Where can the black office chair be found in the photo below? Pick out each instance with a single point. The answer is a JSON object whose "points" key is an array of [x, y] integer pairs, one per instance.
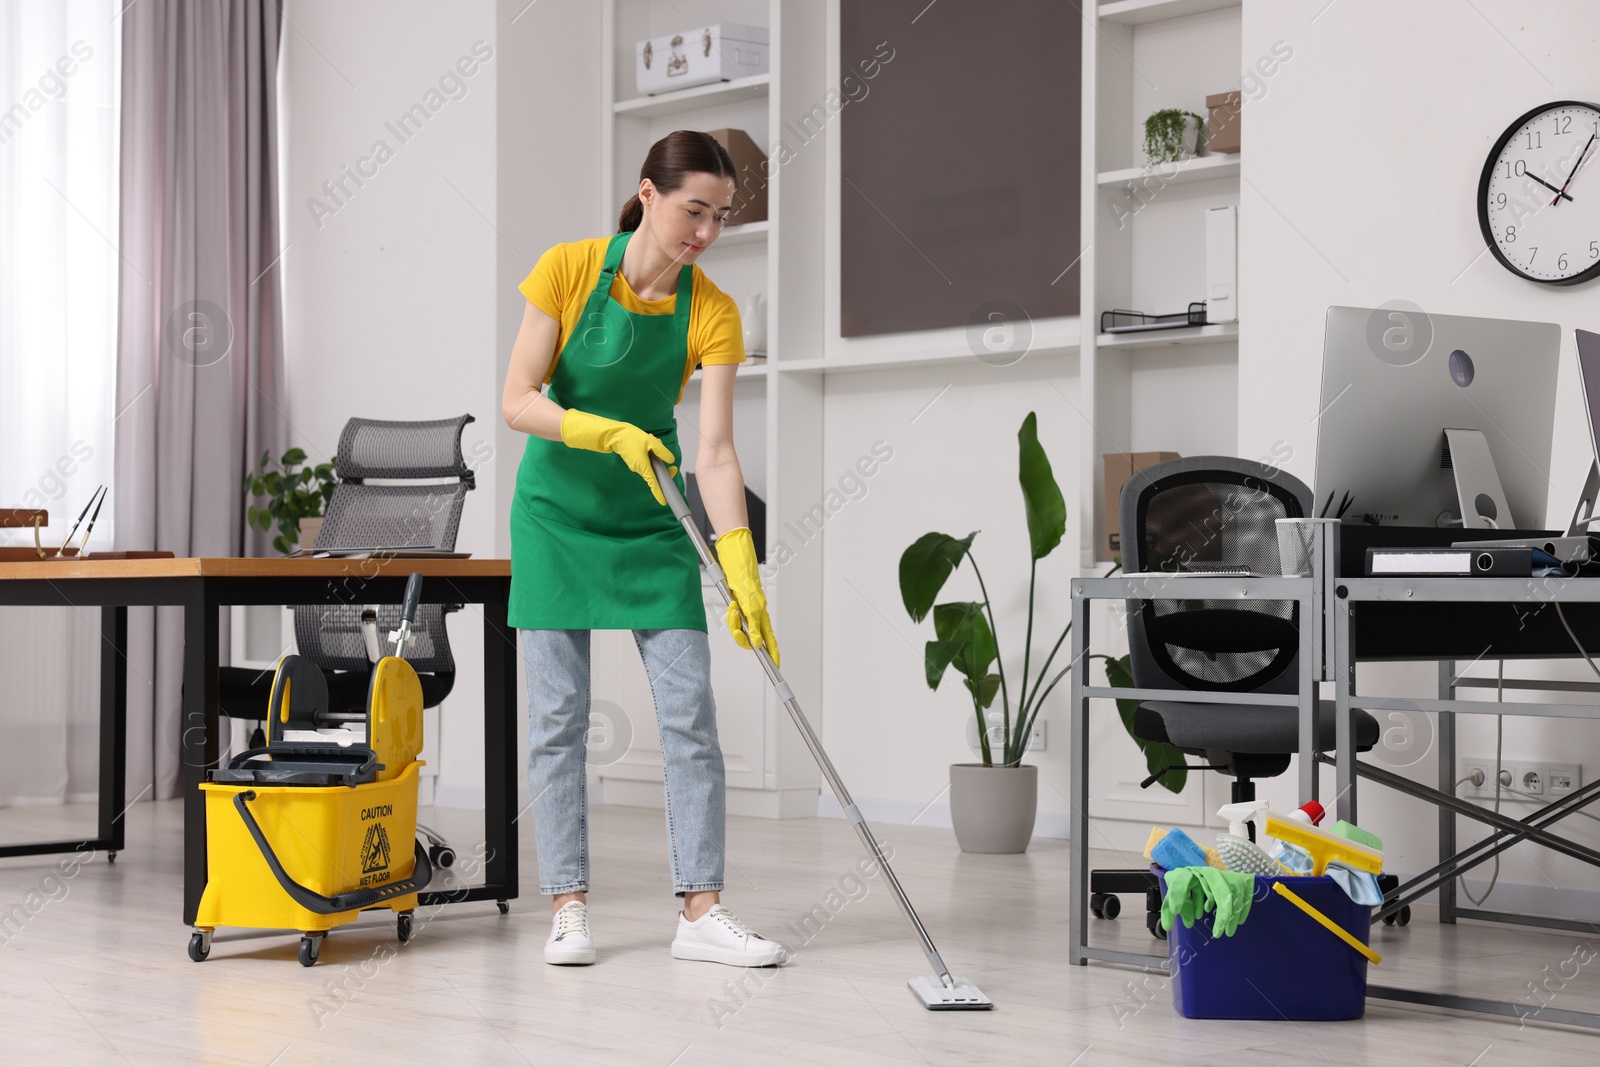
{"points": [[1200, 514], [425, 480]]}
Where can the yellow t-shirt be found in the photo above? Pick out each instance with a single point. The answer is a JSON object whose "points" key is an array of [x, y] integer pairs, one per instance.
{"points": [[560, 283]]}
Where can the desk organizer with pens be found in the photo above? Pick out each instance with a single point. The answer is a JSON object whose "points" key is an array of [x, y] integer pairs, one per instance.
{"points": [[310, 830], [1280, 963]]}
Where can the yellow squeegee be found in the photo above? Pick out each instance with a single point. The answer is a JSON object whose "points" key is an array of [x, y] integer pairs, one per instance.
{"points": [[1324, 847]]}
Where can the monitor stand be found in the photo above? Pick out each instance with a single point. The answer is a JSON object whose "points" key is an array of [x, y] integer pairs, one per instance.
{"points": [[1583, 514], [1579, 545], [1478, 488]]}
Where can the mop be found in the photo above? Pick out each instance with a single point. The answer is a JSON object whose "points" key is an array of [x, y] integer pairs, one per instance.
{"points": [[940, 991]]}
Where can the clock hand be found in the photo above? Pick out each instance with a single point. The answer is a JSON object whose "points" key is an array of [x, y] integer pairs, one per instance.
{"points": [[1581, 157], [1547, 185]]}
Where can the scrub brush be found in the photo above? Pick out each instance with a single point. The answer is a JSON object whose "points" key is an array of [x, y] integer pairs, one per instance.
{"points": [[1244, 855]]}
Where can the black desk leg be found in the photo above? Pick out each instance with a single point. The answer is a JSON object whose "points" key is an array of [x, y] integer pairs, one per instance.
{"points": [[500, 750], [113, 727], [198, 744]]}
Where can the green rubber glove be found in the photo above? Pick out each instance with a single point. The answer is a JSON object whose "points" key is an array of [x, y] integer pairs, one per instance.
{"points": [[579, 429], [1231, 893], [1184, 899], [736, 552]]}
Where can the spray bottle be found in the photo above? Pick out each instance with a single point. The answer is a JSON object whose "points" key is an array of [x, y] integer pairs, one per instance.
{"points": [[1235, 846]]}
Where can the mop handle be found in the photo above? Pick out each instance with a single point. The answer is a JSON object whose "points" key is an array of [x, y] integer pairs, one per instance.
{"points": [[408, 614], [680, 511]]}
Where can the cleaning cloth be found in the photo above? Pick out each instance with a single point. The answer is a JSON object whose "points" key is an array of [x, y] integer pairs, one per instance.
{"points": [[1296, 859], [1193, 892], [1361, 886]]}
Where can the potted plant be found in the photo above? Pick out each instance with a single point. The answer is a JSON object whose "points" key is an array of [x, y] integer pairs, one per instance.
{"points": [[1172, 135], [297, 498], [993, 803]]}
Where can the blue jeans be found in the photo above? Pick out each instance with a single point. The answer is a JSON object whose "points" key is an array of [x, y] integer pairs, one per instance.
{"points": [[678, 663]]}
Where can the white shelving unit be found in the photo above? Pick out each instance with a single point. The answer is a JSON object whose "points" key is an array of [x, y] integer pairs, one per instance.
{"points": [[1198, 169], [1142, 12], [1219, 333], [1166, 390], [1145, 233], [697, 99], [770, 772]]}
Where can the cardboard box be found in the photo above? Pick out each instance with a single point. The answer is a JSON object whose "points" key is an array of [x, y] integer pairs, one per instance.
{"points": [[1222, 127], [750, 166], [1119, 467]]}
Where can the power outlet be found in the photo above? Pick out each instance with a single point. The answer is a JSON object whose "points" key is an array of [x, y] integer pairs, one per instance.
{"points": [[1528, 780], [1486, 766], [1562, 778], [1464, 771], [1036, 742]]}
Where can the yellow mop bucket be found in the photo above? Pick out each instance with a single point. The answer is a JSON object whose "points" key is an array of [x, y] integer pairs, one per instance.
{"points": [[310, 830]]}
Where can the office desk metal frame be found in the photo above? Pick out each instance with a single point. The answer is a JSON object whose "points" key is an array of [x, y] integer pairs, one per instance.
{"points": [[202, 587], [1539, 593], [1308, 592]]}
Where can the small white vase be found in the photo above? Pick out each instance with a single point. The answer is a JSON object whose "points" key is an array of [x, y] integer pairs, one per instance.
{"points": [[309, 529], [753, 317]]}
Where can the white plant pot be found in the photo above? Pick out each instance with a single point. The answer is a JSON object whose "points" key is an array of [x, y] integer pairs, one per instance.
{"points": [[309, 528], [993, 808]]}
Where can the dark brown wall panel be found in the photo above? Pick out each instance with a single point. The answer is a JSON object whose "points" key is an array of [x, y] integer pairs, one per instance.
{"points": [[960, 165]]}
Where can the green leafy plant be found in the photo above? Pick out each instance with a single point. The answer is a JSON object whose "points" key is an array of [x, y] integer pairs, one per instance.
{"points": [[1164, 132], [965, 632], [293, 492]]}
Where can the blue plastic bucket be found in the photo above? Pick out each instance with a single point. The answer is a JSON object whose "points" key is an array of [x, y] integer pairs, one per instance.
{"points": [[1279, 964]]}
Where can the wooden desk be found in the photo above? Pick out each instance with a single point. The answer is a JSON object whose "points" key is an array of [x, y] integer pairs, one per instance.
{"points": [[202, 587]]}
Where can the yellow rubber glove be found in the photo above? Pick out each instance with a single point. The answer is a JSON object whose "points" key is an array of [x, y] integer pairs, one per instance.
{"points": [[736, 552], [579, 429]]}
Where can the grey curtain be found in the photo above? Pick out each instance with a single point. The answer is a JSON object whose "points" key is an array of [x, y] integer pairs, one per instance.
{"points": [[199, 361]]}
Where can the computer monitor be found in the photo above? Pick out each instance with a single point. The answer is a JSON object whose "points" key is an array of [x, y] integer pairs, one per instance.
{"points": [[1394, 381], [1589, 378], [1589, 382]]}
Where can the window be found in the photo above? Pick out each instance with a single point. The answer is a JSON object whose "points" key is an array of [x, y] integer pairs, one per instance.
{"points": [[60, 74]]}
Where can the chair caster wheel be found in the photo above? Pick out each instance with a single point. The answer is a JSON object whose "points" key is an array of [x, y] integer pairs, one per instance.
{"points": [[505, 909], [200, 945], [442, 855], [310, 949], [403, 926], [1104, 905], [1405, 915]]}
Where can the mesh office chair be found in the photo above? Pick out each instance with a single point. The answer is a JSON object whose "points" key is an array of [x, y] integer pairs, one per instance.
{"points": [[422, 514], [1203, 514]]}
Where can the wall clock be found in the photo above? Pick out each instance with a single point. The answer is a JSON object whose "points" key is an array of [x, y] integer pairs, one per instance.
{"points": [[1539, 195]]}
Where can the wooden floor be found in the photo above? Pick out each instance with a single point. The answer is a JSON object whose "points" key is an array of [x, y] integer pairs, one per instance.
{"points": [[93, 969]]}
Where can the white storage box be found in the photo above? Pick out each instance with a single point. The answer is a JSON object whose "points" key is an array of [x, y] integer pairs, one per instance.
{"points": [[716, 53]]}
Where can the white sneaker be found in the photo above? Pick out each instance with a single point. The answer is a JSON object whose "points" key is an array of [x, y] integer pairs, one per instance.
{"points": [[719, 937], [569, 935]]}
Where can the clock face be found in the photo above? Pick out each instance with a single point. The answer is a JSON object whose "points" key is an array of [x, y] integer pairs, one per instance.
{"points": [[1539, 196]]}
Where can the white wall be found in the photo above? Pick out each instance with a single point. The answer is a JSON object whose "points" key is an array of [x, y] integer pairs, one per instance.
{"points": [[391, 301], [953, 469], [1361, 162]]}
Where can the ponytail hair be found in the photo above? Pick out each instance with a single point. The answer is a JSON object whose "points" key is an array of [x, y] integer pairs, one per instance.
{"points": [[670, 161]]}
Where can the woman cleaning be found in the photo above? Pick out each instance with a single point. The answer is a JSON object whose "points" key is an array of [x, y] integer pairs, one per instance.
{"points": [[615, 326]]}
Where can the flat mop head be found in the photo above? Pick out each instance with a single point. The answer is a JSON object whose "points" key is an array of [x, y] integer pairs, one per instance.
{"points": [[960, 995]]}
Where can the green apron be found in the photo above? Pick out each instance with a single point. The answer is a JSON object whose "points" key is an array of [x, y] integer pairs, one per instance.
{"points": [[590, 547]]}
